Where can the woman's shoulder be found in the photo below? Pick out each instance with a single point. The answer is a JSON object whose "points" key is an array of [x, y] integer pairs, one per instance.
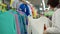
{"points": [[57, 11]]}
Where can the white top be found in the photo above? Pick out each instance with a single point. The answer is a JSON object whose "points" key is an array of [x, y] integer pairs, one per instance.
{"points": [[37, 26], [55, 23]]}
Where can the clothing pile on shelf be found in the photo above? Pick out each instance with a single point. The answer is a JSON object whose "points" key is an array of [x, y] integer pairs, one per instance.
{"points": [[15, 21]]}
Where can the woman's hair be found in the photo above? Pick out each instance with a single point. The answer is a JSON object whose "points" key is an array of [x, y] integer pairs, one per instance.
{"points": [[53, 3]]}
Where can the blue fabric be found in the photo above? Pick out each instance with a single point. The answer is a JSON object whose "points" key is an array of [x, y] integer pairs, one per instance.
{"points": [[27, 21], [22, 22], [24, 8]]}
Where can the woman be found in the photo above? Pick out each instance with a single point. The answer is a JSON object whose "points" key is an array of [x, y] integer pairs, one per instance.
{"points": [[55, 29]]}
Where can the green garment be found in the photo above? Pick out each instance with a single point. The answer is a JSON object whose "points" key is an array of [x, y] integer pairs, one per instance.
{"points": [[7, 23], [50, 13], [46, 14]]}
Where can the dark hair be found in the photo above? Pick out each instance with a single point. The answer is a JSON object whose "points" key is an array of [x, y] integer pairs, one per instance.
{"points": [[53, 3]]}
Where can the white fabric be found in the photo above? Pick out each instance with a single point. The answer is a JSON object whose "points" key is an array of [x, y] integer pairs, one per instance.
{"points": [[36, 26], [30, 10], [55, 23], [46, 21], [29, 25]]}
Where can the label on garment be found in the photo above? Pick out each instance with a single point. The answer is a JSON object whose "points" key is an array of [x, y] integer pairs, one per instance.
{"points": [[25, 9]]}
